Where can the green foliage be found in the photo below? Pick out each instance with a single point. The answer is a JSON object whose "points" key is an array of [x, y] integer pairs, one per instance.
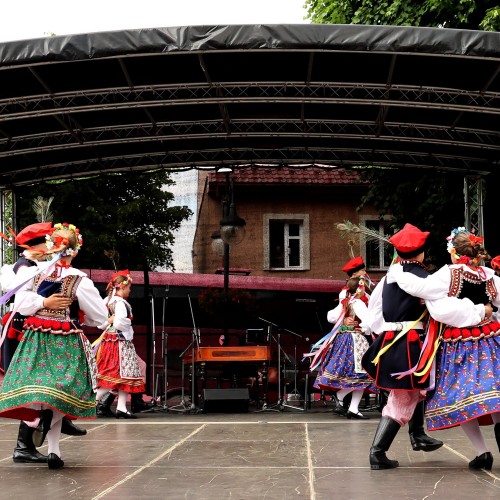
{"points": [[432, 201], [463, 14], [8, 257], [125, 219]]}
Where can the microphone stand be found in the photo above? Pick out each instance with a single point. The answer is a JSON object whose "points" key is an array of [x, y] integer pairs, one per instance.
{"points": [[164, 338], [194, 346], [280, 405], [295, 370]]}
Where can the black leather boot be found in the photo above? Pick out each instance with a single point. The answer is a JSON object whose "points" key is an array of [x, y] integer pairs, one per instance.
{"points": [[25, 451], [104, 405], [138, 404], [384, 436], [69, 428], [497, 435], [420, 441]]}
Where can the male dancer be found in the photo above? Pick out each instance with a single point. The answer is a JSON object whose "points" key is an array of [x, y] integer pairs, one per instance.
{"points": [[399, 319]]}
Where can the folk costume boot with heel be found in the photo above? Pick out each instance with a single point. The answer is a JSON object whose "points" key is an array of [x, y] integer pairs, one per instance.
{"points": [[70, 429], [420, 441], [384, 436], [40, 432], [25, 451]]}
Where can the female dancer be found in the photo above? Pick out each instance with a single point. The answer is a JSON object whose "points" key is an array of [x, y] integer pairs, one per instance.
{"points": [[341, 370], [467, 391], [117, 361], [53, 371]]}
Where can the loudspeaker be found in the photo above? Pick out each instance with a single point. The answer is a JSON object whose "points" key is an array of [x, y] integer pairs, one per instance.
{"points": [[225, 400]]}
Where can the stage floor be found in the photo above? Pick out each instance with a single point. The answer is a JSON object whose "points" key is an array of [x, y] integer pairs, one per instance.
{"points": [[267, 455]]}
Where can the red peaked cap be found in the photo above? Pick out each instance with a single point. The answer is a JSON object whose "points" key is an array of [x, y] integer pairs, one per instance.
{"points": [[34, 233], [410, 240], [495, 262], [354, 265]]}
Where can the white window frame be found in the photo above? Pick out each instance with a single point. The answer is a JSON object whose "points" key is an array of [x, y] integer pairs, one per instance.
{"points": [[305, 252], [372, 218]]}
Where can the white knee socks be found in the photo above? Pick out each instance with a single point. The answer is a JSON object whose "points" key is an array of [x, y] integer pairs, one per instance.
{"points": [[54, 434], [122, 401], [473, 432], [101, 391], [356, 398], [342, 394]]}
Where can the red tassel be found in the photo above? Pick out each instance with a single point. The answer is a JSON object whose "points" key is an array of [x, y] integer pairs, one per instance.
{"points": [[20, 337], [413, 336], [65, 326], [486, 329], [447, 334], [389, 335], [456, 333], [11, 333], [476, 332], [6, 317], [466, 333], [56, 325], [494, 326]]}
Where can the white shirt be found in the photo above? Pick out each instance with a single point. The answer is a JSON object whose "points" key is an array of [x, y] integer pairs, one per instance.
{"points": [[122, 322], [434, 290], [360, 310], [90, 302]]}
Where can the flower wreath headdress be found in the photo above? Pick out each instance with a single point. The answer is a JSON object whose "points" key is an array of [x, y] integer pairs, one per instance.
{"points": [[464, 259], [58, 241], [121, 284], [361, 286]]}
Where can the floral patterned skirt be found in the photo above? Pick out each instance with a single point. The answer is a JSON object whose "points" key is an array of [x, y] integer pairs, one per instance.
{"points": [[117, 365], [338, 369], [467, 381], [50, 370]]}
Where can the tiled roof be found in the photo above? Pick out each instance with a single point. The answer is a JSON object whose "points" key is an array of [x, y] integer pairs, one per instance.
{"points": [[296, 176]]}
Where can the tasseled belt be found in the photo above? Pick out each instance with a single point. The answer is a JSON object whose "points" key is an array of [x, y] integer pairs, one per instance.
{"points": [[489, 329], [65, 327]]}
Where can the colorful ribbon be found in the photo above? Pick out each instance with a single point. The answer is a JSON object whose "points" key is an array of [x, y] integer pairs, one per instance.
{"points": [[399, 336]]}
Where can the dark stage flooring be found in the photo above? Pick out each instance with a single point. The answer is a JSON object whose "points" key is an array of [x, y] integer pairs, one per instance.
{"points": [[267, 455]]}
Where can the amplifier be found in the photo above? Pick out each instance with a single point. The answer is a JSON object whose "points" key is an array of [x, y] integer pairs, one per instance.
{"points": [[225, 400]]}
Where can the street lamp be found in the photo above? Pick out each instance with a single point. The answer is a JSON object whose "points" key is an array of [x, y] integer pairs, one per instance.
{"points": [[232, 232]]}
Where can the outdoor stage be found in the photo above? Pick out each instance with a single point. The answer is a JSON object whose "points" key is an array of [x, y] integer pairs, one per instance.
{"points": [[271, 455]]}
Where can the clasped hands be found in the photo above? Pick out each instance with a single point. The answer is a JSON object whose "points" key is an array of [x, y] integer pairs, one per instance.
{"points": [[57, 301]]}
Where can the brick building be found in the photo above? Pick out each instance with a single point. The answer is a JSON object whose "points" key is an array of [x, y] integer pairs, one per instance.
{"points": [[291, 217]]}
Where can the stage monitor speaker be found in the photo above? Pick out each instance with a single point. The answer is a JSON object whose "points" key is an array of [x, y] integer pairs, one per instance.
{"points": [[225, 400]]}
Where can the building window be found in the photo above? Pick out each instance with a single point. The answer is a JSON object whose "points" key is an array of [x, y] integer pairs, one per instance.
{"points": [[377, 255], [286, 242]]}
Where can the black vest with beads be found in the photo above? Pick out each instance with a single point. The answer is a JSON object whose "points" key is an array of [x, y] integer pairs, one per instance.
{"points": [[398, 305]]}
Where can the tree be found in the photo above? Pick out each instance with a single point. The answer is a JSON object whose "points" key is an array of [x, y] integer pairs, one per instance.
{"points": [[432, 201], [123, 217], [435, 206], [462, 14]]}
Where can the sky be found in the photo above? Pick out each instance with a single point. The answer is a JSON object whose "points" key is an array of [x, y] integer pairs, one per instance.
{"points": [[23, 19]]}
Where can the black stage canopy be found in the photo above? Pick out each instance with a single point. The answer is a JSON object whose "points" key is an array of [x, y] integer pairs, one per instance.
{"points": [[207, 96]]}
